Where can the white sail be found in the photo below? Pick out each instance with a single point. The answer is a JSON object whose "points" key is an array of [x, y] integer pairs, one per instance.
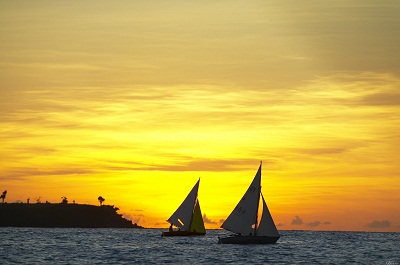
{"points": [[182, 216], [243, 217], [267, 226]]}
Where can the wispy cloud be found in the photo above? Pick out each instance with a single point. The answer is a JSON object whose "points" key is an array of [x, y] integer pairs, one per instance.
{"points": [[382, 99], [206, 165], [27, 173], [321, 151]]}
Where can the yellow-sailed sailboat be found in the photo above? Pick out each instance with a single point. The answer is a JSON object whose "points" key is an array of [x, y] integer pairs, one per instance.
{"points": [[187, 217]]}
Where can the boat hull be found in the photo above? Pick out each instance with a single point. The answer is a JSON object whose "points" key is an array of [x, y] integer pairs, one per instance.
{"points": [[248, 240], [182, 233]]}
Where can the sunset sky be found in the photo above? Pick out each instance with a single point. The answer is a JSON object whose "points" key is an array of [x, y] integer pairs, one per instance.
{"points": [[135, 101]]}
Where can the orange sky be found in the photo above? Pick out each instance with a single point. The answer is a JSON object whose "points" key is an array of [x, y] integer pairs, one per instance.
{"points": [[136, 101]]}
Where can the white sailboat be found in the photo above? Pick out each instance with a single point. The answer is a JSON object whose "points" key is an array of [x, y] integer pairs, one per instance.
{"points": [[244, 220], [187, 217]]}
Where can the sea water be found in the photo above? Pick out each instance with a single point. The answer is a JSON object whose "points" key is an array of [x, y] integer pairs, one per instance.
{"points": [[146, 246]]}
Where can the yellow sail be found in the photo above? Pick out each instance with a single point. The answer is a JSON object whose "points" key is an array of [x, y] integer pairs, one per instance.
{"points": [[197, 224]]}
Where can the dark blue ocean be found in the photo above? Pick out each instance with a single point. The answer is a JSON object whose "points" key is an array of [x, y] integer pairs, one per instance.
{"points": [[146, 246]]}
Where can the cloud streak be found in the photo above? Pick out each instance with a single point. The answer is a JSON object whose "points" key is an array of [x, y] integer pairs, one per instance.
{"points": [[382, 99]]}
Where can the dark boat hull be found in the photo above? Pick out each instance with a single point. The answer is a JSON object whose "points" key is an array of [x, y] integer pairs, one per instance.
{"points": [[248, 240], [182, 233]]}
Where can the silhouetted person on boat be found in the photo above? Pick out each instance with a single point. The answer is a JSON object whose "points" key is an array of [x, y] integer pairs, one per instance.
{"points": [[170, 228]]}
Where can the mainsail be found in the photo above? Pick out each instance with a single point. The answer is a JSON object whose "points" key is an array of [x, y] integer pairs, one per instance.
{"points": [[267, 226], [182, 217], [243, 218]]}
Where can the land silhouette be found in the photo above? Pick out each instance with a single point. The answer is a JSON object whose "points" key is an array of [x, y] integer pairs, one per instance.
{"points": [[62, 215]]}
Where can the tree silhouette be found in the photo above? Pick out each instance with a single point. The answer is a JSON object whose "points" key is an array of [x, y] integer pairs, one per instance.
{"points": [[101, 200], [38, 199], [3, 196], [64, 200]]}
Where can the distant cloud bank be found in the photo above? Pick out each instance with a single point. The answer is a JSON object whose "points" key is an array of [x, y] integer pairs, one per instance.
{"points": [[296, 221], [208, 220], [314, 224], [379, 224]]}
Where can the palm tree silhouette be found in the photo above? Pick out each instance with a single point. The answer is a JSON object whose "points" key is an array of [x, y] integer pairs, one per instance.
{"points": [[64, 200], [101, 200], [3, 196]]}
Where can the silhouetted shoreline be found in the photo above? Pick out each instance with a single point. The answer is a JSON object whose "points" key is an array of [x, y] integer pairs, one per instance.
{"points": [[62, 216]]}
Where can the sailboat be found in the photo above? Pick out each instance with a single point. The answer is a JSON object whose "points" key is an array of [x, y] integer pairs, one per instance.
{"points": [[244, 219], [187, 217]]}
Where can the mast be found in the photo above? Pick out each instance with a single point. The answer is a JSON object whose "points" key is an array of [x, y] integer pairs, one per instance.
{"points": [[258, 203], [183, 215], [194, 206], [191, 218], [242, 218]]}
